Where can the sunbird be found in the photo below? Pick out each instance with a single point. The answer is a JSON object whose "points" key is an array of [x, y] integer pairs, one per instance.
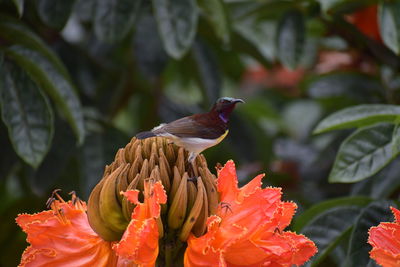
{"points": [[197, 132]]}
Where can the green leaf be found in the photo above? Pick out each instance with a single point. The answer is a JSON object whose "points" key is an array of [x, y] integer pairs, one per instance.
{"points": [[298, 125], [357, 116], [316, 210], [371, 215], [291, 39], [363, 154], [57, 164], [91, 161], [396, 138], [329, 228], [150, 56], [84, 9], [329, 4], [343, 6], [216, 14], [55, 13], [19, 4], [16, 32], [207, 69], [257, 34], [114, 19], [381, 185], [98, 150], [26, 113], [350, 84], [177, 24], [389, 24], [61, 90]]}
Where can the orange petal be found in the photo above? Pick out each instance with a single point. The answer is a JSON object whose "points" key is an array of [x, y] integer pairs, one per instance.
{"points": [[385, 236], [396, 214], [199, 251], [132, 196], [247, 230], [63, 237], [251, 187], [287, 248], [253, 210], [385, 242], [227, 182], [140, 240]]}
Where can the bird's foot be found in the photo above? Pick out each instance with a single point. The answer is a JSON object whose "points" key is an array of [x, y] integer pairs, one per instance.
{"points": [[190, 170], [192, 179]]}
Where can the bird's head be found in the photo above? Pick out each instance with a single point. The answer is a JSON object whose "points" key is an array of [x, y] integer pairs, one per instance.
{"points": [[224, 106]]}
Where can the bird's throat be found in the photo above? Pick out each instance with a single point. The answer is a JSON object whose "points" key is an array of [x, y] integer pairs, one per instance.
{"points": [[224, 117]]}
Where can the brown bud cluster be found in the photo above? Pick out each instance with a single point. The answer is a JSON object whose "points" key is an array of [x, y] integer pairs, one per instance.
{"points": [[191, 189]]}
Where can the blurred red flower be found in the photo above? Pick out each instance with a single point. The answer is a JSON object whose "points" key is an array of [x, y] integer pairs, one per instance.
{"points": [[366, 20], [248, 228], [385, 242]]}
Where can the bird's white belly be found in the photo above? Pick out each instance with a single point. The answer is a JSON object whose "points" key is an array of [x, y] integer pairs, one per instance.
{"points": [[195, 144]]}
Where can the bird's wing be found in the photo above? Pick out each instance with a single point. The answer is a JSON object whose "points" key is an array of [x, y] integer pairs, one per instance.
{"points": [[187, 127]]}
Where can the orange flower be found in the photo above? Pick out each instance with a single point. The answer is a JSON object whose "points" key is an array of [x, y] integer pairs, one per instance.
{"points": [[385, 242], [140, 240], [63, 236], [248, 228]]}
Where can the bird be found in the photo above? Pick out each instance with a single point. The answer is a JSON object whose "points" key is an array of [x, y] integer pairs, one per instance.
{"points": [[197, 132]]}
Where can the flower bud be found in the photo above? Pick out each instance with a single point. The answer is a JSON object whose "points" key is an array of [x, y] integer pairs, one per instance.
{"points": [[191, 190]]}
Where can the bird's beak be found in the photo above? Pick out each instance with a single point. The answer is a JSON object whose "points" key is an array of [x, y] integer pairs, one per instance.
{"points": [[238, 100]]}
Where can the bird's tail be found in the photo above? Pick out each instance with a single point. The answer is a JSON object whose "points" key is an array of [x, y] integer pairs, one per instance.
{"points": [[144, 135]]}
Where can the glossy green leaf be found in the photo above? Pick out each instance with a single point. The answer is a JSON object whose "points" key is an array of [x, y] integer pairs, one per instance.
{"points": [[357, 116], [363, 154], [343, 6], [57, 164], [150, 56], [26, 113], [389, 24], [16, 32], [114, 19], [329, 228], [55, 13], [349, 84], [396, 138], [19, 4], [97, 151], [300, 116], [207, 69], [216, 14], [258, 35], [91, 162], [61, 90], [316, 210], [84, 9], [371, 215], [177, 24], [382, 185], [329, 4], [291, 39]]}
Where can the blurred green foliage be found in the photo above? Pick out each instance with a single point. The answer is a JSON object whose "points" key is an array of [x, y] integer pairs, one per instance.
{"points": [[79, 78]]}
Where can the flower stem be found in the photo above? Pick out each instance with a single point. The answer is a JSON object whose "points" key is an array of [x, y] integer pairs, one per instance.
{"points": [[168, 255], [172, 249]]}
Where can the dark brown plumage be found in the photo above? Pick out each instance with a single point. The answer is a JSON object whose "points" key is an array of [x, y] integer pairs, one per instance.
{"points": [[199, 131]]}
